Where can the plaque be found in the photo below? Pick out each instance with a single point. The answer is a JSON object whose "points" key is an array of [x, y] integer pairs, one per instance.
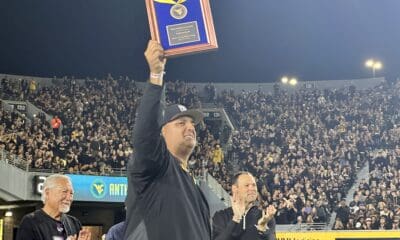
{"points": [[182, 26]]}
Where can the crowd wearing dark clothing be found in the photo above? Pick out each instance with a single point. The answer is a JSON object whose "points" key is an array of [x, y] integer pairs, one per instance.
{"points": [[95, 122], [304, 148], [375, 204]]}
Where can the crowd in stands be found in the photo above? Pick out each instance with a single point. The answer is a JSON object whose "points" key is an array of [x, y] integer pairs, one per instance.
{"points": [[305, 148], [95, 115], [376, 203]]}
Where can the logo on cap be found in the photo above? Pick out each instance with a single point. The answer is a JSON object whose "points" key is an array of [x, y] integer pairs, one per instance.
{"points": [[182, 108]]}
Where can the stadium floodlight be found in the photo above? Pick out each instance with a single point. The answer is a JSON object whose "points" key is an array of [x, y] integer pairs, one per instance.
{"points": [[369, 63], [284, 80], [374, 65], [293, 81], [378, 65]]}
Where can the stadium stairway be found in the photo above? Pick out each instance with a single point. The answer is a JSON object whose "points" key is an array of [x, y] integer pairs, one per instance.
{"points": [[362, 174]]}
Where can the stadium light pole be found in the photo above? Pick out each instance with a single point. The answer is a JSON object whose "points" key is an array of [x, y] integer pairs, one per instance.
{"points": [[374, 65]]}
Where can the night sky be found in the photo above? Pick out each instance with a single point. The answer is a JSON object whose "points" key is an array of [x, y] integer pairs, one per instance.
{"points": [[259, 40]]}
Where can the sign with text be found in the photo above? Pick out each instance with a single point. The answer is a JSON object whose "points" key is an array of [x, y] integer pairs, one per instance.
{"points": [[92, 188], [99, 188]]}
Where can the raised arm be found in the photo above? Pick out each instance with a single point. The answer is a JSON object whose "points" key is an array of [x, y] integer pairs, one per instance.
{"points": [[146, 133], [155, 58]]}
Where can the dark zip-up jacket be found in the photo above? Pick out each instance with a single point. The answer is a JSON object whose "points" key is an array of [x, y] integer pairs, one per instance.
{"points": [[163, 202], [224, 228]]}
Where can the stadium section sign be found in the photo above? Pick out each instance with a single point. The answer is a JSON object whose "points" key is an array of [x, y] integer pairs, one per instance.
{"points": [[99, 188], [38, 184], [92, 188]]}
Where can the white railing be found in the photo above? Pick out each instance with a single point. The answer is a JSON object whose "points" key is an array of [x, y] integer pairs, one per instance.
{"points": [[13, 160], [218, 189], [23, 164]]}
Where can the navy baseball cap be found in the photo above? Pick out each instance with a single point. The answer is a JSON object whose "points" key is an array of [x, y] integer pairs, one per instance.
{"points": [[175, 111]]}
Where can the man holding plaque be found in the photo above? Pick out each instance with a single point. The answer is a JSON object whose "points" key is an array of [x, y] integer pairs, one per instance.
{"points": [[163, 202]]}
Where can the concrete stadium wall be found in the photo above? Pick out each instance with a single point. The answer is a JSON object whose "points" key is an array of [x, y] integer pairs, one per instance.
{"points": [[362, 83]]}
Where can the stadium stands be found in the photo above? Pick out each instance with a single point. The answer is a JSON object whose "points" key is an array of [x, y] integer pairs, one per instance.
{"points": [[305, 147]]}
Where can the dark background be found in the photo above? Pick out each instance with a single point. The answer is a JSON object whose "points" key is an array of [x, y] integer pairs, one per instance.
{"points": [[260, 40]]}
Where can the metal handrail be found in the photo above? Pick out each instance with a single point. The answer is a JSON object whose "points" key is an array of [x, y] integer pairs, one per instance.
{"points": [[302, 227], [23, 164]]}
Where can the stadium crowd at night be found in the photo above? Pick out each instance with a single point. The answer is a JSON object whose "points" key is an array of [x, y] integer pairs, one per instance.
{"points": [[304, 147]]}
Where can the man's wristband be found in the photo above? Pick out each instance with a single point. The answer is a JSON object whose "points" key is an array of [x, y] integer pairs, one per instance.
{"points": [[157, 75]]}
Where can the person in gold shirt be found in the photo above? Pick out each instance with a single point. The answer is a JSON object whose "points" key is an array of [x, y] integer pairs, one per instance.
{"points": [[218, 155]]}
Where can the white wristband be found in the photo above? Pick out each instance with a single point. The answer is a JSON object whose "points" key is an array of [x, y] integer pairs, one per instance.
{"points": [[157, 75]]}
